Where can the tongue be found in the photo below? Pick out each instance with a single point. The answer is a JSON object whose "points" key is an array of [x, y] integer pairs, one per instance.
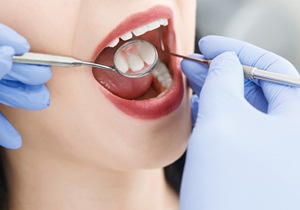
{"points": [[119, 85]]}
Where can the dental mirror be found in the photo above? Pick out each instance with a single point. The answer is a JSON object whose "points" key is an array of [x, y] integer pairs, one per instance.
{"points": [[133, 59]]}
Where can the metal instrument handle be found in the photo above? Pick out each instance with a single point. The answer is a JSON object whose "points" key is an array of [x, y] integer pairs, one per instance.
{"points": [[254, 73], [46, 59]]}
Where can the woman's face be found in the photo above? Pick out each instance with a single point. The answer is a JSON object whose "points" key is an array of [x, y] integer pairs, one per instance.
{"points": [[96, 115]]}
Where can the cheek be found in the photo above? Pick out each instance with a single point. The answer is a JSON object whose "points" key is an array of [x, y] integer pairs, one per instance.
{"points": [[185, 21]]}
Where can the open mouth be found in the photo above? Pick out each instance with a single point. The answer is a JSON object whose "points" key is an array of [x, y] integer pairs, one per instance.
{"points": [[150, 86], [162, 82]]}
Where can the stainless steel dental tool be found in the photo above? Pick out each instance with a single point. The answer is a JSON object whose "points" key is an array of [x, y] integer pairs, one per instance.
{"points": [[249, 71], [133, 59]]}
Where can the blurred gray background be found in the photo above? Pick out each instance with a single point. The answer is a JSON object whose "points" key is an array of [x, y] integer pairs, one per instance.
{"points": [[270, 24]]}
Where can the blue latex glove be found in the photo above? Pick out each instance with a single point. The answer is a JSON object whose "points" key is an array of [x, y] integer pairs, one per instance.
{"points": [[244, 151], [21, 85]]}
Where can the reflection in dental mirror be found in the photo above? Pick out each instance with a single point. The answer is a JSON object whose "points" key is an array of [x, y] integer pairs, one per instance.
{"points": [[133, 59]]}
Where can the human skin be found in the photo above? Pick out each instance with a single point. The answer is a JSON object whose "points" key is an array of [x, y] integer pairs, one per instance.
{"points": [[83, 152]]}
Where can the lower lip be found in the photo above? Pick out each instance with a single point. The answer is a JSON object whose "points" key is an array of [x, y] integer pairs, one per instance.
{"points": [[155, 107]]}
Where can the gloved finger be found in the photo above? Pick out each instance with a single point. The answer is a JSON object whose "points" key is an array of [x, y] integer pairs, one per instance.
{"points": [[225, 75], [251, 55], [29, 74], [6, 54], [194, 108], [195, 72], [255, 96], [19, 95], [9, 137], [224, 84], [9, 37]]}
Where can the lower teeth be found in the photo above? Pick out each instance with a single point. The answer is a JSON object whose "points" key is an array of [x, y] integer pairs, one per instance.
{"points": [[162, 74], [161, 81]]}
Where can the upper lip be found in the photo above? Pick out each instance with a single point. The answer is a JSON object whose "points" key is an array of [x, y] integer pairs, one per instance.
{"points": [[133, 22]]}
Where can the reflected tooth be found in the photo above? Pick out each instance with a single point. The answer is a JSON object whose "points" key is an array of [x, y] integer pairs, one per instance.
{"points": [[121, 63], [140, 31], [135, 62], [153, 25], [163, 22], [126, 36], [114, 43], [147, 53]]}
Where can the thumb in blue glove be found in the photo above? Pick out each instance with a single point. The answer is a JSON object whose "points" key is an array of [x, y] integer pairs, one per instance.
{"points": [[244, 148], [21, 85]]}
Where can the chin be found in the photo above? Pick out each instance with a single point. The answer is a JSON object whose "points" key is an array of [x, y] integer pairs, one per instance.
{"points": [[158, 142]]}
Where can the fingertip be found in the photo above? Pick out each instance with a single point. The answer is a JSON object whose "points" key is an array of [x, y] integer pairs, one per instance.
{"points": [[29, 97], [7, 51], [225, 61], [41, 99], [225, 75], [30, 74], [16, 143], [10, 37], [24, 47], [208, 41], [9, 136]]}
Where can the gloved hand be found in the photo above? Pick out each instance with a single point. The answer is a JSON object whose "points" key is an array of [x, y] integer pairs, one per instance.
{"points": [[21, 85], [244, 151]]}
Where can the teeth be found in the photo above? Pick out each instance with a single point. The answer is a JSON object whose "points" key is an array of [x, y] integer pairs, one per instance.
{"points": [[162, 74], [121, 63], [163, 22], [147, 53], [137, 57], [140, 31], [135, 62], [153, 25], [126, 36], [114, 43]]}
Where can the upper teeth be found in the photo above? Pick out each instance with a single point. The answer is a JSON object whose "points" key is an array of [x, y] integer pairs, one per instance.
{"points": [[140, 31]]}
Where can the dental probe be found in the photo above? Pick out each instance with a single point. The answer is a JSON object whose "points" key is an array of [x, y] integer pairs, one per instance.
{"points": [[249, 71], [136, 47]]}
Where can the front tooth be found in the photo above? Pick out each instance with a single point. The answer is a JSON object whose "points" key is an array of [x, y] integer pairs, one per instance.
{"points": [[153, 25], [114, 43], [147, 53], [121, 63], [126, 36], [140, 31], [135, 62]]}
